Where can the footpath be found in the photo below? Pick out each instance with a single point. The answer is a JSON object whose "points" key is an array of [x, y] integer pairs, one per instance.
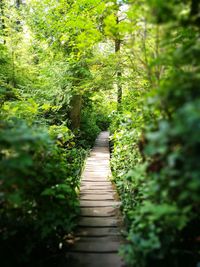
{"points": [[98, 234]]}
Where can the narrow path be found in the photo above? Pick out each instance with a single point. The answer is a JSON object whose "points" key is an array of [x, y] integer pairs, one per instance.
{"points": [[98, 232]]}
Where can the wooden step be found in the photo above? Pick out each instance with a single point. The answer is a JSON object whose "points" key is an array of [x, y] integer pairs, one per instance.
{"points": [[86, 196], [95, 203], [97, 231], [98, 235], [95, 183], [75, 259], [98, 211], [97, 244], [98, 222], [96, 187]]}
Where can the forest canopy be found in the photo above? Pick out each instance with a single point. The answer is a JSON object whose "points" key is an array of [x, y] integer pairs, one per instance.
{"points": [[70, 69]]}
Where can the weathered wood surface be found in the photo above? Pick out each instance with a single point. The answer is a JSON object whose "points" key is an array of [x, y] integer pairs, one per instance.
{"points": [[96, 203], [98, 235], [94, 260], [99, 222], [98, 231], [86, 196], [107, 244], [98, 211]]}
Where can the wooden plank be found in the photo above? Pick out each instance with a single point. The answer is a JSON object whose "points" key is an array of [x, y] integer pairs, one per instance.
{"points": [[98, 211], [98, 172], [94, 192], [98, 192], [98, 222], [108, 203], [98, 234], [96, 187], [95, 180], [104, 176], [75, 259], [85, 196], [99, 168], [97, 231], [96, 183], [97, 177], [100, 244]]}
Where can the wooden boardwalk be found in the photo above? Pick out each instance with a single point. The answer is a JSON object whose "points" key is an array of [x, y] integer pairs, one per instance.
{"points": [[98, 234]]}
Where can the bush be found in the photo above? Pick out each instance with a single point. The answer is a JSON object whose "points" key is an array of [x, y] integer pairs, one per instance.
{"points": [[38, 197], [103, 121], [156, 166], [89, 129]]}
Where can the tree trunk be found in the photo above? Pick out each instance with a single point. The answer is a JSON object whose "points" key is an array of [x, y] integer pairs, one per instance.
{"points": [[158, 69], [18, 22], [2, 6], [75, 111], [119, 72], [147, 66], [194, 12], [18, 3], [13, 69]]}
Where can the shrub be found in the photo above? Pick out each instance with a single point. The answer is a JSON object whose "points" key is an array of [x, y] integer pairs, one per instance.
{"points": [[89, 129], [156, 166], [38, 191]]}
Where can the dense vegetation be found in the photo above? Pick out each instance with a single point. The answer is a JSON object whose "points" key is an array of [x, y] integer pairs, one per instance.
{"points": [[156, 137], [69, 69], [43, 140]]}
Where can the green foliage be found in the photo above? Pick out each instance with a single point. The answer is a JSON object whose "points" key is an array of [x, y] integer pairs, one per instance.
{"points": [[41, 159], [7, 93], [156, 151], [39, 182], [51, 51], [95, 117], [61, 133], [88, 129]]}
